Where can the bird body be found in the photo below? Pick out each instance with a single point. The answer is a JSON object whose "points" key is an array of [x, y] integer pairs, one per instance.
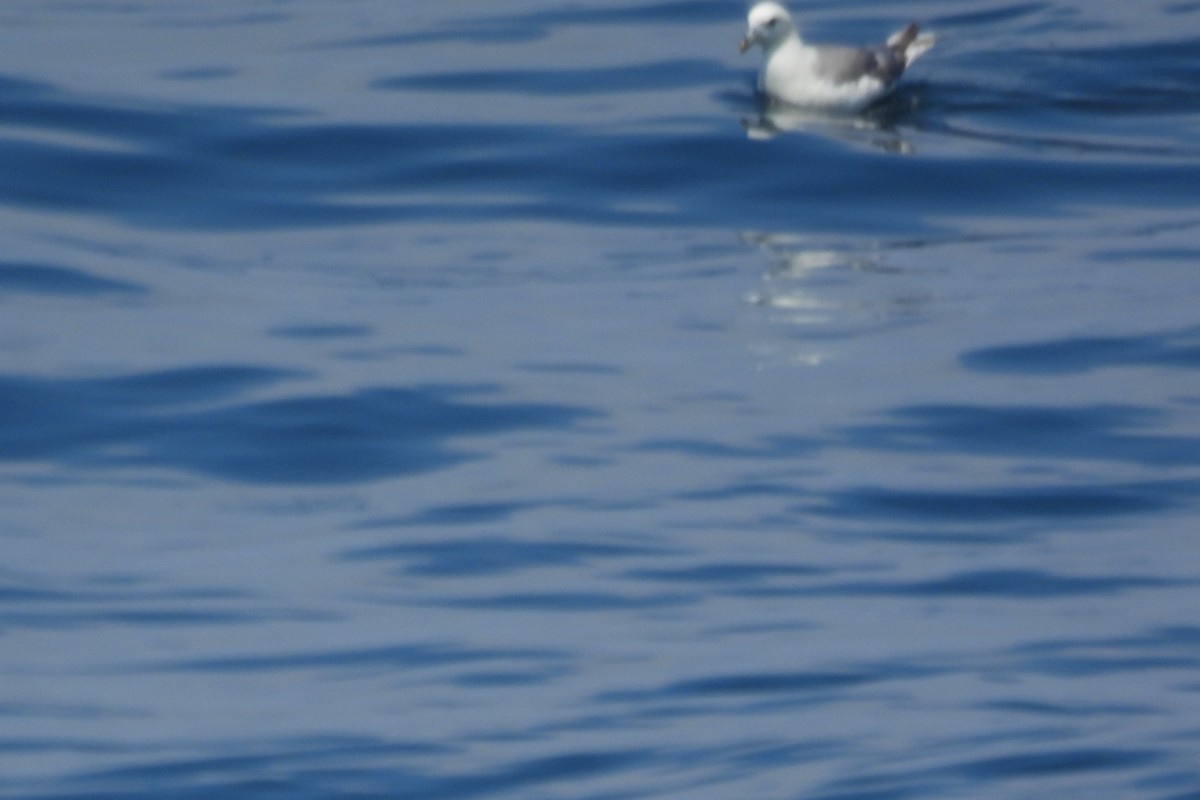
{"points": [[826, 76]]}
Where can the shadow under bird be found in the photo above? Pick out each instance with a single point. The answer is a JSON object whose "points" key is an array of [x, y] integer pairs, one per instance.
{"points": [[835, 77]]}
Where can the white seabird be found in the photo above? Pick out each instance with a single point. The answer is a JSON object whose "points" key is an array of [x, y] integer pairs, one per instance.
{"points": [[826, 76]]}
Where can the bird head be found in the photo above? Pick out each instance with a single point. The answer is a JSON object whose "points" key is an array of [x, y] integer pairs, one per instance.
{"points": [[767, 24]]}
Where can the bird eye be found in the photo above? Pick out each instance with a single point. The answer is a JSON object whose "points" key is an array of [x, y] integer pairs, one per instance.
{"points": [[772, 22]]}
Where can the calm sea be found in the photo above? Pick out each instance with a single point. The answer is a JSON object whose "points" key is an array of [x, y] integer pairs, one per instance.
{"points": [[481, 399]]}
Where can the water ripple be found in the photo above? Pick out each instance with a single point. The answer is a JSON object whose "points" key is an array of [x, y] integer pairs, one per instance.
{"points": [[56, 280], [148, 420], [639, 77], [1001, 506], [1024, 584], [389, 657], [491, 556], [915, 523], [1055, 762], [1178, 349], [1105, 432]]}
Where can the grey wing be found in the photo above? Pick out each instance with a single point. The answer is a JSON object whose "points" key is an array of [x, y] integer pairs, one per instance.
{"points": [[848, 64]]}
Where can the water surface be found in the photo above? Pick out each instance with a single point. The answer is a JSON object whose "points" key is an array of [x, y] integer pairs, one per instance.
{"points": [[493, 400]]}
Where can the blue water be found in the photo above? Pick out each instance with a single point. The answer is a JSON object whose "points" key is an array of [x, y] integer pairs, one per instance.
{"points": [[490, 399]]}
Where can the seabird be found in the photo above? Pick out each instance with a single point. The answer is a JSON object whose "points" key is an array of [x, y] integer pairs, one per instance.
{"points": [[826, 76]]}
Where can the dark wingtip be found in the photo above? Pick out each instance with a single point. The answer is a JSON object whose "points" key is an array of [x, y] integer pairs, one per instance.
{"points": [[903, 38]]}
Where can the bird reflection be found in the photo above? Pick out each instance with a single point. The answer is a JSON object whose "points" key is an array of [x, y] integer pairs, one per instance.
{"points": [[825, 292], [879, 127]]}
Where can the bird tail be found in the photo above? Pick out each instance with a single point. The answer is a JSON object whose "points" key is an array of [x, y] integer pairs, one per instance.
{"points": [[910, 43]]}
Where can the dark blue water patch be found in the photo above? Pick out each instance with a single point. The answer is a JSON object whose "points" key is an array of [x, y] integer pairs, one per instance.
{"points": [[26, 594], [44, 417], [529, 774], [1065, 711], [1178, 349], [1007, 505], [679, 74], [492, 556], [571, 368], [1171, 648], [59, 619], [1187, 780], [44, 106], [1095, 433], [769, 185], [768, 447], [92, 603], [1082, 666], [570, 602], [1107, 102], [328, 331], [156, 173], [172, 387], [924, 533], [987, 776], [311, 155], [735, 491], [196, 167], [454, 514], [1116, 77], [1036, 131], [770, 683], [146, 421], [1151, 77], [388, 657], [571, 766], [366, 770], [1045, 764], [904, 793], [776, 686], [741, 759], [56, 280], [200, 74], [1018, 584], [16, 90], [173, 189], [1176, 636], [718, 575], [481, 514], [303, 768]]}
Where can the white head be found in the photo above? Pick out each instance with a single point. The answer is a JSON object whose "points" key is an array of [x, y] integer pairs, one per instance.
{"points": [[768, 24]]}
